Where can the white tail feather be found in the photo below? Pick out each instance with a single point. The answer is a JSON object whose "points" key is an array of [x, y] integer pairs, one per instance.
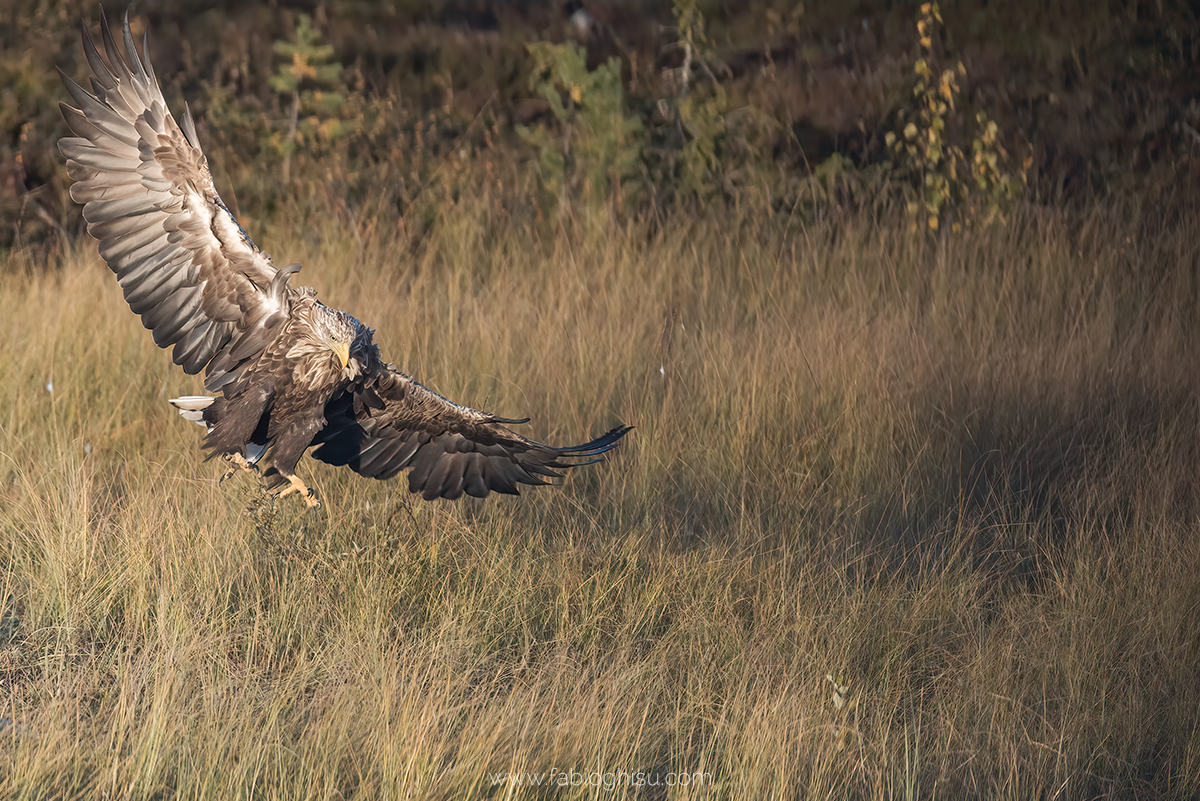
{"points": [[191, 407]]}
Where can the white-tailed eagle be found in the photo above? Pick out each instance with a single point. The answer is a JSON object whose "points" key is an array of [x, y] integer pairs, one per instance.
{"points": [[287, 372]]}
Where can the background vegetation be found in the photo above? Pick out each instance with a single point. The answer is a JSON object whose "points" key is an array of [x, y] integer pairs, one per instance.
{"points": [[910, 509]]}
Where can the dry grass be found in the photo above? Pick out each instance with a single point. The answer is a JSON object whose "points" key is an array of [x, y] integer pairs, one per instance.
{"points": [[957, 476]]}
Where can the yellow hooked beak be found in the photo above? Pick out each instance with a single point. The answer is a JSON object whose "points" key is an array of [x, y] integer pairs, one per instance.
{"points": [[342, 351]]}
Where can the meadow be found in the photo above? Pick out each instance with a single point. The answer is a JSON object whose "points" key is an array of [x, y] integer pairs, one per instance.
{"points": [[901, 517], [909, 509]]}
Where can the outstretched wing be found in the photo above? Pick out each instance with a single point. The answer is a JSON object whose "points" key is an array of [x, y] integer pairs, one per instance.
{"points": [[182, 260], [395, 423]]}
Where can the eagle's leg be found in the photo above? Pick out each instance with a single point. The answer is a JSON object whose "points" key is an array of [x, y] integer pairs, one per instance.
{"points": [[296, 485], [237, 462]]}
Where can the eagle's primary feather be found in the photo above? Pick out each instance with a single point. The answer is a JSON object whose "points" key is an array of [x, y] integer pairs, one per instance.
{"points": [[290, 371]]}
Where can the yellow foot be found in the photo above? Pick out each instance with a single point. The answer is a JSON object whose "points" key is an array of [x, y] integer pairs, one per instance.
{"points": [[296, 485], [239, 462]]}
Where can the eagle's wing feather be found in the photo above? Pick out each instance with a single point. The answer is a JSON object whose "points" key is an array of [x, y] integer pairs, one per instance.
{"points": [[182, 260], [393, 423]]}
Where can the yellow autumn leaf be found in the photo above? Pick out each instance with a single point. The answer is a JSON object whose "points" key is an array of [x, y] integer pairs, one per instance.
{"points": [[301, 69]]}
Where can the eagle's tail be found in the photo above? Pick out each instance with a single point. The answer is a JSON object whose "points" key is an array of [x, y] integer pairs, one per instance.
{"points": [[191, 407]]}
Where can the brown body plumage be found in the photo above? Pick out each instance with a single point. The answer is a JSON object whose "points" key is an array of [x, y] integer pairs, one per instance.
{"points": [[290, 372]]}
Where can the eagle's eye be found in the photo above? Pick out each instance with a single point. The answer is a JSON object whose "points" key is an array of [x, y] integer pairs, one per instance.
{"points": [[340, 348]]}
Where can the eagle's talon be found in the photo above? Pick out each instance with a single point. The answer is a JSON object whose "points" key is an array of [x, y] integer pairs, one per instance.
{"points": [[310, 498], [237, 462], [296, 485]]}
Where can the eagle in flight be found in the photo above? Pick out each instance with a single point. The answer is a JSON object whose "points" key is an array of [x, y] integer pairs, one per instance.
{"points": [[286, 371]]}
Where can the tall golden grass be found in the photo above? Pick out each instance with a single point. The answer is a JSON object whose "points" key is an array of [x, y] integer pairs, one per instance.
{"points": [[957, 477]]}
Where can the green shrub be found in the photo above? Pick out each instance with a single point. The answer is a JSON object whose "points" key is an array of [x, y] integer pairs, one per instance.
{"points": [[310, 81], [595, 149]]}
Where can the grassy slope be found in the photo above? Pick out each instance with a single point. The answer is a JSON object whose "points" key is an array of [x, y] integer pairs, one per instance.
{"points": [[959, 477]]}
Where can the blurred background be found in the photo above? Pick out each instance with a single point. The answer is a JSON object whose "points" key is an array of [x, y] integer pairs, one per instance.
{"points": [[762, 106]]}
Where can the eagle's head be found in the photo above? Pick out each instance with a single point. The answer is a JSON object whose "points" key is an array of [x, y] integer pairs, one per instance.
{"points": [[346, 339]]}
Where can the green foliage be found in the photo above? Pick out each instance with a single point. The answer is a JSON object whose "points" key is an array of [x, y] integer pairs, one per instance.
{"points": [[924, 147], [307, 62], [596, 147], [601, 149], [702, 119], [700, 111], [712, 149], [997, 182], [310, 82]]}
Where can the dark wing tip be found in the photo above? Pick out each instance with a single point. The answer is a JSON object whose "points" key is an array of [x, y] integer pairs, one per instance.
{"points": [[601, 444], [452, 474], [595, 449]]}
